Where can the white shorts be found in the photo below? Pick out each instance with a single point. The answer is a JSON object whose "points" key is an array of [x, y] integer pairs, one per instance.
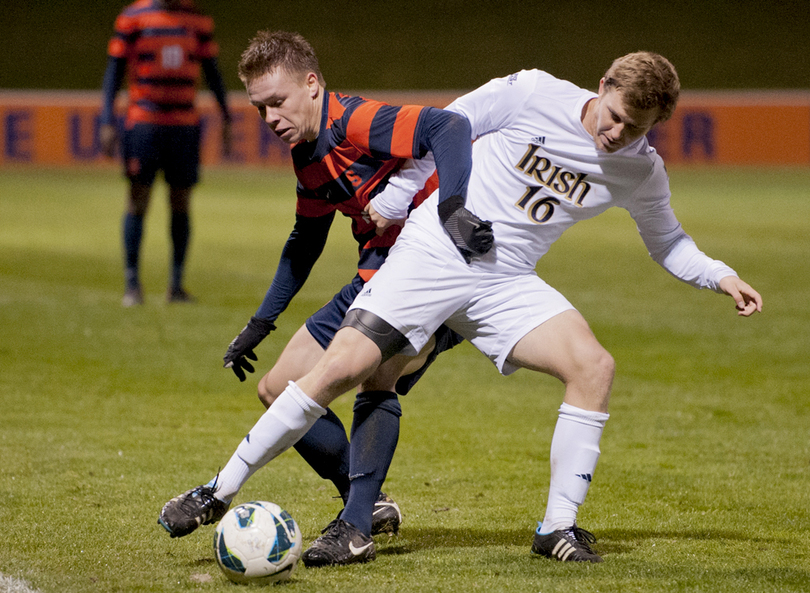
{"points": [[416, 290]]}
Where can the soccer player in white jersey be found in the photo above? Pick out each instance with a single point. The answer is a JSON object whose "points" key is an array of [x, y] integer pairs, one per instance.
{"points": [[546, 155]]}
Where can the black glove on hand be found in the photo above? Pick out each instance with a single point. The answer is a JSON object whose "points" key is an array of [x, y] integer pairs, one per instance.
{"points": [[242, 346], [471, 235]]}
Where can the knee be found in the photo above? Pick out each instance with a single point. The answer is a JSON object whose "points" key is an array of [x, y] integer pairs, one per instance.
{"points": [[267, 395], [599, 372], [604, 366], [600, 369], [594, 368]]}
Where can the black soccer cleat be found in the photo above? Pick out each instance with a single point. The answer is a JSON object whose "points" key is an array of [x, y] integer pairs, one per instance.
{"points": [[178, 295], [341, 543], [386, 517], [566, 545], [185, 513]]}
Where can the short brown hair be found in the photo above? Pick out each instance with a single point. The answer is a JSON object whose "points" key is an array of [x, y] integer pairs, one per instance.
{"points": [[646, 81], [270, 50]]}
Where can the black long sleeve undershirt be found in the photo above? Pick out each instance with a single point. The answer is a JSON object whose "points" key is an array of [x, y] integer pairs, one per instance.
{"points": [[302, 250]]}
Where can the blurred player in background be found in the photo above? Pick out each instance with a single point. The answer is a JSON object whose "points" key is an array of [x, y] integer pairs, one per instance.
{"points": [[162, 47], [344, 149], [547, 155]]}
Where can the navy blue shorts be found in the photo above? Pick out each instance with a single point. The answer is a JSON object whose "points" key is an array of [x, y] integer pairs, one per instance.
{"points": [[149, 148], [326, 321]]}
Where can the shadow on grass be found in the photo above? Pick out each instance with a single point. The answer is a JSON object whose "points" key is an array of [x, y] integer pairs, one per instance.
{"points": [[619, 541], [610, 541]]}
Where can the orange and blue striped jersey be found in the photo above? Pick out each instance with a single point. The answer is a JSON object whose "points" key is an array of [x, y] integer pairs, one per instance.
{"points": [[360, 144], [163, 49]]}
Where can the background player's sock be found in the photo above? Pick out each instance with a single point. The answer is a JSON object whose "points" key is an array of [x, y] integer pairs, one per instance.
{"points": [[181, 233], [133, 233]]}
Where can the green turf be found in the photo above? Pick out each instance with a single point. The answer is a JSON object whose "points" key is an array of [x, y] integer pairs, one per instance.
{"points": [[108, 412]]}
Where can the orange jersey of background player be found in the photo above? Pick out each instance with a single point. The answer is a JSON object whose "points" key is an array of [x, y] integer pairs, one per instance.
{"points": [[163, 48]]}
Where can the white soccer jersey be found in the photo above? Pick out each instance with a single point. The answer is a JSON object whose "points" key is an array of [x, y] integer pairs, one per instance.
{"points": [[536, 172]]}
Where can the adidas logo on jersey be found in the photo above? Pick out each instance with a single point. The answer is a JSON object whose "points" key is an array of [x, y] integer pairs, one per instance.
{"points": [[539, 140]]}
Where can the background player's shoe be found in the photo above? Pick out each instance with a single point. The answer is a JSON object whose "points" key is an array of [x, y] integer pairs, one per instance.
{"points": [[132, 297], [566, 545], [178, 295], [386, 517], [341, 543], [185, 513]]}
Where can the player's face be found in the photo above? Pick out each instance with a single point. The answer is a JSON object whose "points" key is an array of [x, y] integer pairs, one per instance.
{"points": [[290, 105], [615, 125]]}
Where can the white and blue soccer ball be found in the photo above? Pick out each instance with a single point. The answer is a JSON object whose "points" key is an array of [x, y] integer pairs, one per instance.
{"points": [[257, 542]]}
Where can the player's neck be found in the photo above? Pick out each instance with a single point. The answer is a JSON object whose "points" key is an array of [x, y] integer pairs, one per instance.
{"points": [[588, 116]]}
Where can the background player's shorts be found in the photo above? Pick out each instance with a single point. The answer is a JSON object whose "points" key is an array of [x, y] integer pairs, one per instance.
{"points": [[416, 291], [148, 148]]}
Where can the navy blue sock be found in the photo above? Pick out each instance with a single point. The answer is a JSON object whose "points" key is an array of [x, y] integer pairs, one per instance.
{"points": [[325, 447], [375, 432], [133, 232], [181, 232]]}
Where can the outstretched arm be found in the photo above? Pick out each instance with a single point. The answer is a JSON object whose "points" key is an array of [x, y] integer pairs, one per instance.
{"points": [[747, 299], [300, 253]]}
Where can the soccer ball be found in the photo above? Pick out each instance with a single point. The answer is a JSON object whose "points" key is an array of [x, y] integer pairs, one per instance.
{"points": [[257, 542]]}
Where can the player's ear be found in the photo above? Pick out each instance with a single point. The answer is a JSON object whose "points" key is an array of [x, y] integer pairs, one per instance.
{"points": [[313, 85], [601, 85]]}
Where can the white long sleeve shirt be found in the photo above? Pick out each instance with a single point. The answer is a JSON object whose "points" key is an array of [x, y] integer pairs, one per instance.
{"points": [[536, 172]]}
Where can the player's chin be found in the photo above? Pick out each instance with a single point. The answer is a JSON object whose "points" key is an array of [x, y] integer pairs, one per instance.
{"points": [[608, 148]]}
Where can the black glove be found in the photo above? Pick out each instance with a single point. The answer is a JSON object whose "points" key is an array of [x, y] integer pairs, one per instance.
{"points": [[471, 235], [242, 346]]}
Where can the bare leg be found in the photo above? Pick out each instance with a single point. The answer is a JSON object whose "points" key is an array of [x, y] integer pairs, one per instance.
{"points": [[566, 348]]}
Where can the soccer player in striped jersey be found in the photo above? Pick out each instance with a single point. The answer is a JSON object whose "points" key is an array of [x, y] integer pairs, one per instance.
{"points": [[344, 149], [162, 47]]}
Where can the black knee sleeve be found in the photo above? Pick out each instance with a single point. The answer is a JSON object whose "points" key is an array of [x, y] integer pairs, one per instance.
{"points": [[388, 339]]}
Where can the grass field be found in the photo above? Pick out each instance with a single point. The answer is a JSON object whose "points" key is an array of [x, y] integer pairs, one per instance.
{"points": [[109, 412]]}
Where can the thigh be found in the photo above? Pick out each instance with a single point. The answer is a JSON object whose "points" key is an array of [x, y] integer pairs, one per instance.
{"points": [[180, 155], [386, 375], [140, 151], [565, 347], [502, 311], [299, 357], [561, 346]]}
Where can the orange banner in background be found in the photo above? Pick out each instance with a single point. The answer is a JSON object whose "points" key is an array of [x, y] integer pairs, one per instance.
{"points": [[723, 128], [737, 128]]}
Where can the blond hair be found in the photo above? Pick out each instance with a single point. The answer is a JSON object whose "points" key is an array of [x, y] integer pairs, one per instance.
{"points": [[270, 50], [646, 81]]}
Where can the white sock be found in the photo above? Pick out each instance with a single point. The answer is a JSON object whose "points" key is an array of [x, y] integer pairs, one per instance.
{"points": [[280, 427], [574, 453]]}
